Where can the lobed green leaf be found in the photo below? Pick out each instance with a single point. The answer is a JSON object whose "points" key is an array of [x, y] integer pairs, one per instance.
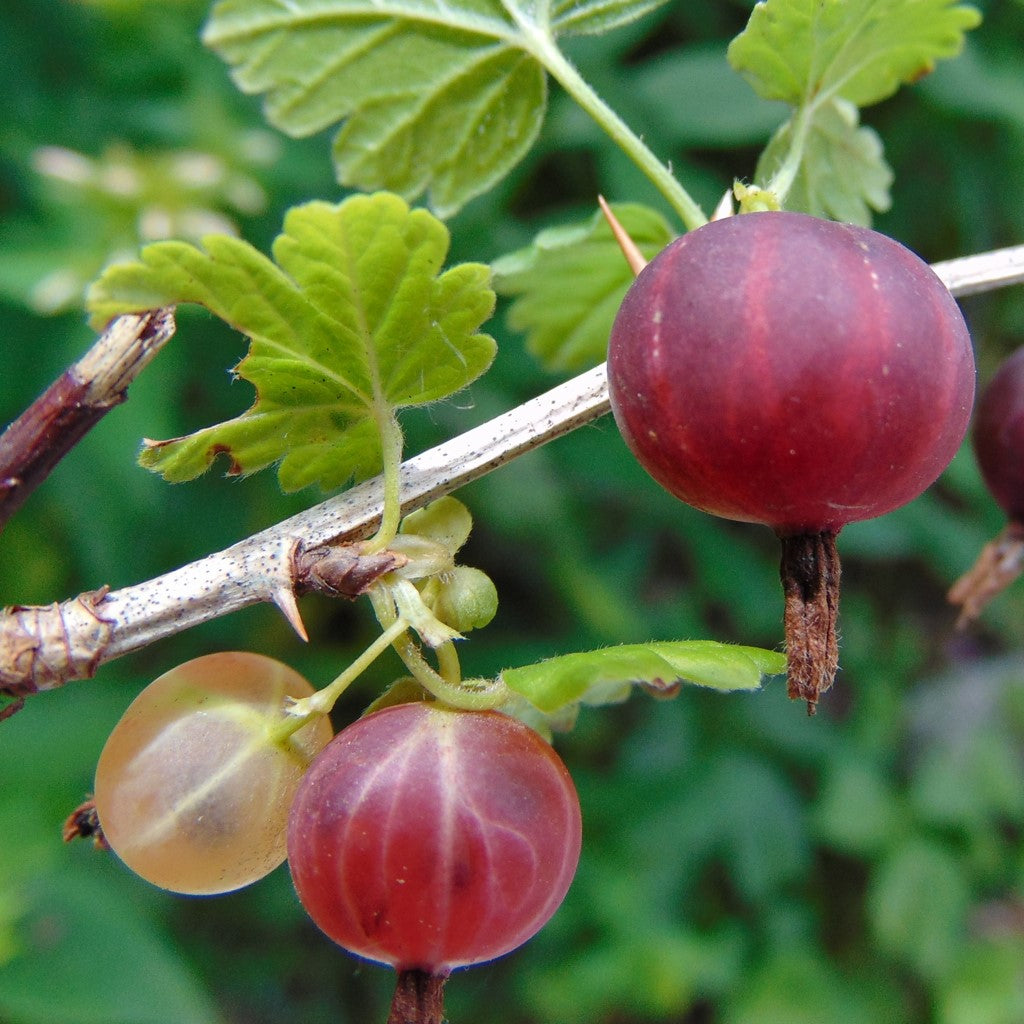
{"points": [[352, 319], [843, 174], [431, 96], [594, 16], [568, 284], [606, 676], [804, 51], [443, 98]]}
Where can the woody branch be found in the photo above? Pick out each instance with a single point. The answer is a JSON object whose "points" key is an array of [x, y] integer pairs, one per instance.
{"points": [[42, 647]]}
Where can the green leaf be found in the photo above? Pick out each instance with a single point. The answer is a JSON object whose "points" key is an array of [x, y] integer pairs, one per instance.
{"points": [[918, 903], [594, 16], [445, 521], [569, 283], [86, 931], [353, 320], [746, 815], [439, 97], [857, 810], [804, 51], [986, 985], [842, 175], [970, 787], [800, 986], [605, 676]]}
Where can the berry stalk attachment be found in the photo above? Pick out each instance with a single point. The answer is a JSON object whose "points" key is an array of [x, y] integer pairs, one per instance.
{"points": [[998, 437], [780, 369]]}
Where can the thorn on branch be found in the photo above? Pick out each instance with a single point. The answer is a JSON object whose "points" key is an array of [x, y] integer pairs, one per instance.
{"points": [[725, 207], [43, 647], [634, 257], [284, 599], [341, 570]]}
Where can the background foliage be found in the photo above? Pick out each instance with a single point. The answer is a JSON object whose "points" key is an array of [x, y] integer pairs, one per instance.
{"points": [[742, 864]]}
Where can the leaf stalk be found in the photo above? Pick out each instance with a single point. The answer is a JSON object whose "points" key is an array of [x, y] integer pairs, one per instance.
{"points": [[546, 50], [782, 180], [391, 442]]}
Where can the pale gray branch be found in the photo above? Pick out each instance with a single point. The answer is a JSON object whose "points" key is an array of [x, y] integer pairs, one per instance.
{"points": [[100, 626]]}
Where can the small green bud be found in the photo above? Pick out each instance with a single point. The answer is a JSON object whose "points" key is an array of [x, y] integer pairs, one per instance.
{"points": [[466, 598], [446, 522]]}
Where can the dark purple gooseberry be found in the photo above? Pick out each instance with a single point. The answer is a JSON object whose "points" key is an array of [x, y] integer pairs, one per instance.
{"points": [[781, 369], [998, 437]]}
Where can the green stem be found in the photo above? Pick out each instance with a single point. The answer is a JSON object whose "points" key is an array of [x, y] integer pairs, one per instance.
{"points": [[321, 702], [407, 650], [391, 443], [544, 48], [448, 662], [474, 695], [782, 180]]}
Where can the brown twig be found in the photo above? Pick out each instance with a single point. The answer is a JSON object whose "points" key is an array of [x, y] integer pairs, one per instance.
{"points": [[75, 402]]}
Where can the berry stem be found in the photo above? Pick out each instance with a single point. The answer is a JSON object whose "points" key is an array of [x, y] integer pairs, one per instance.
{"points": [[419, 998], [810, 581], [321, 702], [449, 688], [1000, 563]]}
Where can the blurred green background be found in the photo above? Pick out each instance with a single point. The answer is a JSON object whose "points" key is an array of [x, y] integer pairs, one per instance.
{"points": [[743, 864]]}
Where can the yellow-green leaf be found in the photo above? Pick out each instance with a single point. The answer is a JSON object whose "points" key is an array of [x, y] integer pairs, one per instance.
{"points": [[843, 174], [568, 284], [804, 51], [352, 319], [605, 676]]}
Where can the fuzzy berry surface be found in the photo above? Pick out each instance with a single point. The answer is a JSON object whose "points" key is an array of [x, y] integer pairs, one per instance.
{"points": [[431, 839], [782, 369]]}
